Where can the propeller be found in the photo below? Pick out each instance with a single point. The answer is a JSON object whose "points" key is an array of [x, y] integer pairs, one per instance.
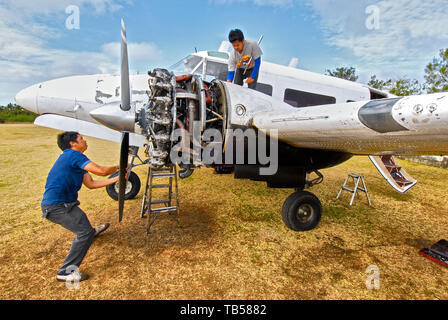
{"points": [[125, 87], [125, 106], [124, 154]]}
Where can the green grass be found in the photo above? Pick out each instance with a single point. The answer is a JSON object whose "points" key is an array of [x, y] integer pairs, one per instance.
{"points": [[232, 243], [7, 117]]}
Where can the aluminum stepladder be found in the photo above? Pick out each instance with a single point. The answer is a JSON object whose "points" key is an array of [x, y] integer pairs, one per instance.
{"points": [[171, 205], [356, 179]]}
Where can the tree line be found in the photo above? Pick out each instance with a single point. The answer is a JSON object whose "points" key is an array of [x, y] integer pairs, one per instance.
{"points": [[436, 78], [15, 113]]}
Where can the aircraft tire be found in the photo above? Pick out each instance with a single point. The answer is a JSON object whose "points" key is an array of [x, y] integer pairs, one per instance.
{"points": [[301, 211], [134, 180]]}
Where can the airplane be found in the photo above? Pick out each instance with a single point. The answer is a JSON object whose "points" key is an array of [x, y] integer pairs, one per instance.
{"points": [[309, 121]]}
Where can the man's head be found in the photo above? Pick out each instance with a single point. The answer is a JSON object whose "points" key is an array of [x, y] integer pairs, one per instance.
{"points": [[72, 140], [236, 38]]}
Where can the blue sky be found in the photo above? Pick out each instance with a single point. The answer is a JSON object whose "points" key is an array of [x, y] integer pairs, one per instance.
{"points": [[35, 44]]}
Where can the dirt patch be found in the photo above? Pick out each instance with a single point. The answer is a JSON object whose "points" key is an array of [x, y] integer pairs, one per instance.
{"points": [[232, 243]]}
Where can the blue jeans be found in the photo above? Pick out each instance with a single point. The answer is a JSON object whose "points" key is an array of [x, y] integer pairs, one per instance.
{"points": [[72, 218]]}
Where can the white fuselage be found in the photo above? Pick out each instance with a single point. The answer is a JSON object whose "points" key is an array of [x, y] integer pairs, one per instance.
{"points": [[309, 110]]}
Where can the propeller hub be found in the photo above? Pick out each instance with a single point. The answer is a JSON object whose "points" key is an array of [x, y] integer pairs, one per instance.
{"points": [[115, 118]]}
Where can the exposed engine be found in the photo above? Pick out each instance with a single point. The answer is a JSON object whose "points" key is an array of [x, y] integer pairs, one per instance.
{"points": [[184, 102]]}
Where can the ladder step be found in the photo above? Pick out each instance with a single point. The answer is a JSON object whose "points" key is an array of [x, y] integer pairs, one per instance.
{"points": [[164, 175], [161, 170], [160, 201], [167, 209], [159, 186]]}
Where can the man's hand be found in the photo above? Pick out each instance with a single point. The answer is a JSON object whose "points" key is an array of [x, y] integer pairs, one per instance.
{"points": [[249, 80]]}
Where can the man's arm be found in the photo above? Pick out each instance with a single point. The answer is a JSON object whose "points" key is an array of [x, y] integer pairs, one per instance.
{"points": [[100, 170], [230, 76], [254, 74], [231, 65], [96, 184]]}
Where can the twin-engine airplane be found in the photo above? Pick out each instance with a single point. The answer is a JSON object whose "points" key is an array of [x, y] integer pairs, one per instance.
{"points": [[304, 121]]}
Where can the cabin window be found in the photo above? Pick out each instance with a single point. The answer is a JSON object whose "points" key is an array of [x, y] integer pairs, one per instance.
{"points": [[300, 99], [264, 88], [218, 54]]}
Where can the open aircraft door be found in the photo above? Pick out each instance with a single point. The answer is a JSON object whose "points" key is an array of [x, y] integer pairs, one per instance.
{"points": [[394, 174]]}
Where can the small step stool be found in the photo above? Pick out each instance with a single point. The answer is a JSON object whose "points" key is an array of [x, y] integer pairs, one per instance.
{"points": [[356, 179], [170, 205]]}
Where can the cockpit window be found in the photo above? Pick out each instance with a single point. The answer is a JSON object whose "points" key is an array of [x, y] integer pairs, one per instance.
{"points": [[218, 54], [195, 64]]}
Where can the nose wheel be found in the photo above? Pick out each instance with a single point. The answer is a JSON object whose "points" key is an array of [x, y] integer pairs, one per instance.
{"points": [[301, 211]]}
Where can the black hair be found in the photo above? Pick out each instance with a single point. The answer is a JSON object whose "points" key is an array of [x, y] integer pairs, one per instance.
{"points": [[65, 138], [236, 35]]}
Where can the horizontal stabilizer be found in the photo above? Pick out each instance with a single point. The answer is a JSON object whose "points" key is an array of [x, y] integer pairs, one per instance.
{"points": [[86, 128], [395, 175]]}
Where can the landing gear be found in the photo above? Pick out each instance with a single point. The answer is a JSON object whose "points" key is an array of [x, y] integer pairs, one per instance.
{"points": [[301, 211], [132, 187]]}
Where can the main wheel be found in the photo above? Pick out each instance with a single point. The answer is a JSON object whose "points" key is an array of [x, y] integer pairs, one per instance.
{"points": [[132, 187], [301, 211]]}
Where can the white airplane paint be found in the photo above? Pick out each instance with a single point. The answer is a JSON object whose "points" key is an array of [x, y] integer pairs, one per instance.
{"points": [[76, 97], [322, 120]]}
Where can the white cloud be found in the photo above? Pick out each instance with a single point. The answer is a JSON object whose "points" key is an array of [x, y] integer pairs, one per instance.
{"points": [[411, 32], [48, 7], [26, 57], [273, 3], [138, 52]]}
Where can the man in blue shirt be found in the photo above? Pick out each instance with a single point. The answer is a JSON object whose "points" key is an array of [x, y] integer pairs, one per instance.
{"points": [[60, 201], [245, 57]]}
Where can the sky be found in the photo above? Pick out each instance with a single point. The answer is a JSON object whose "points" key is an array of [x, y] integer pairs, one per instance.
{"points": [[42, 40]]}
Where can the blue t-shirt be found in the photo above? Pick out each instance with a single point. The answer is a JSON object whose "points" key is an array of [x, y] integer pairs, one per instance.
{"points": [[65, 178]]}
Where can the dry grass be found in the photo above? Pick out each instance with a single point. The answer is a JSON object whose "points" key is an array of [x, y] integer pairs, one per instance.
{"points": [[232, 243]]}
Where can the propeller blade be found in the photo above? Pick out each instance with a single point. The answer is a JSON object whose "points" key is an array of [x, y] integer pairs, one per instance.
{"points": [[125, 87], [124, 154]]}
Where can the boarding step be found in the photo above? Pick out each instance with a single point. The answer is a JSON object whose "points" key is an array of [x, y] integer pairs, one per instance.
{"points": [[394, 174]]}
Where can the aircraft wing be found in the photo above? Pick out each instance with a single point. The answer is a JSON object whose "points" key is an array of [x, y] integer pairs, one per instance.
{"points": [[86, 128], [416, 125]]}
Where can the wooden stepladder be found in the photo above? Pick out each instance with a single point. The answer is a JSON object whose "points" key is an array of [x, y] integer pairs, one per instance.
{"points": [[357, 178], [152, 208]]}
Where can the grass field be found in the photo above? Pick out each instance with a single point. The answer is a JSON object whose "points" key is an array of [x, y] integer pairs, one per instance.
{"points": [[232, 243]]}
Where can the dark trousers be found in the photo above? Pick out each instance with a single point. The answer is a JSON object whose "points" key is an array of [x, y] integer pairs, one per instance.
{"points": [[240, 75], [72, 218]]}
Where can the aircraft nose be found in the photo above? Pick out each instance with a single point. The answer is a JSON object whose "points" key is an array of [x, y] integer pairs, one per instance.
{"points": [[27, 98]]}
